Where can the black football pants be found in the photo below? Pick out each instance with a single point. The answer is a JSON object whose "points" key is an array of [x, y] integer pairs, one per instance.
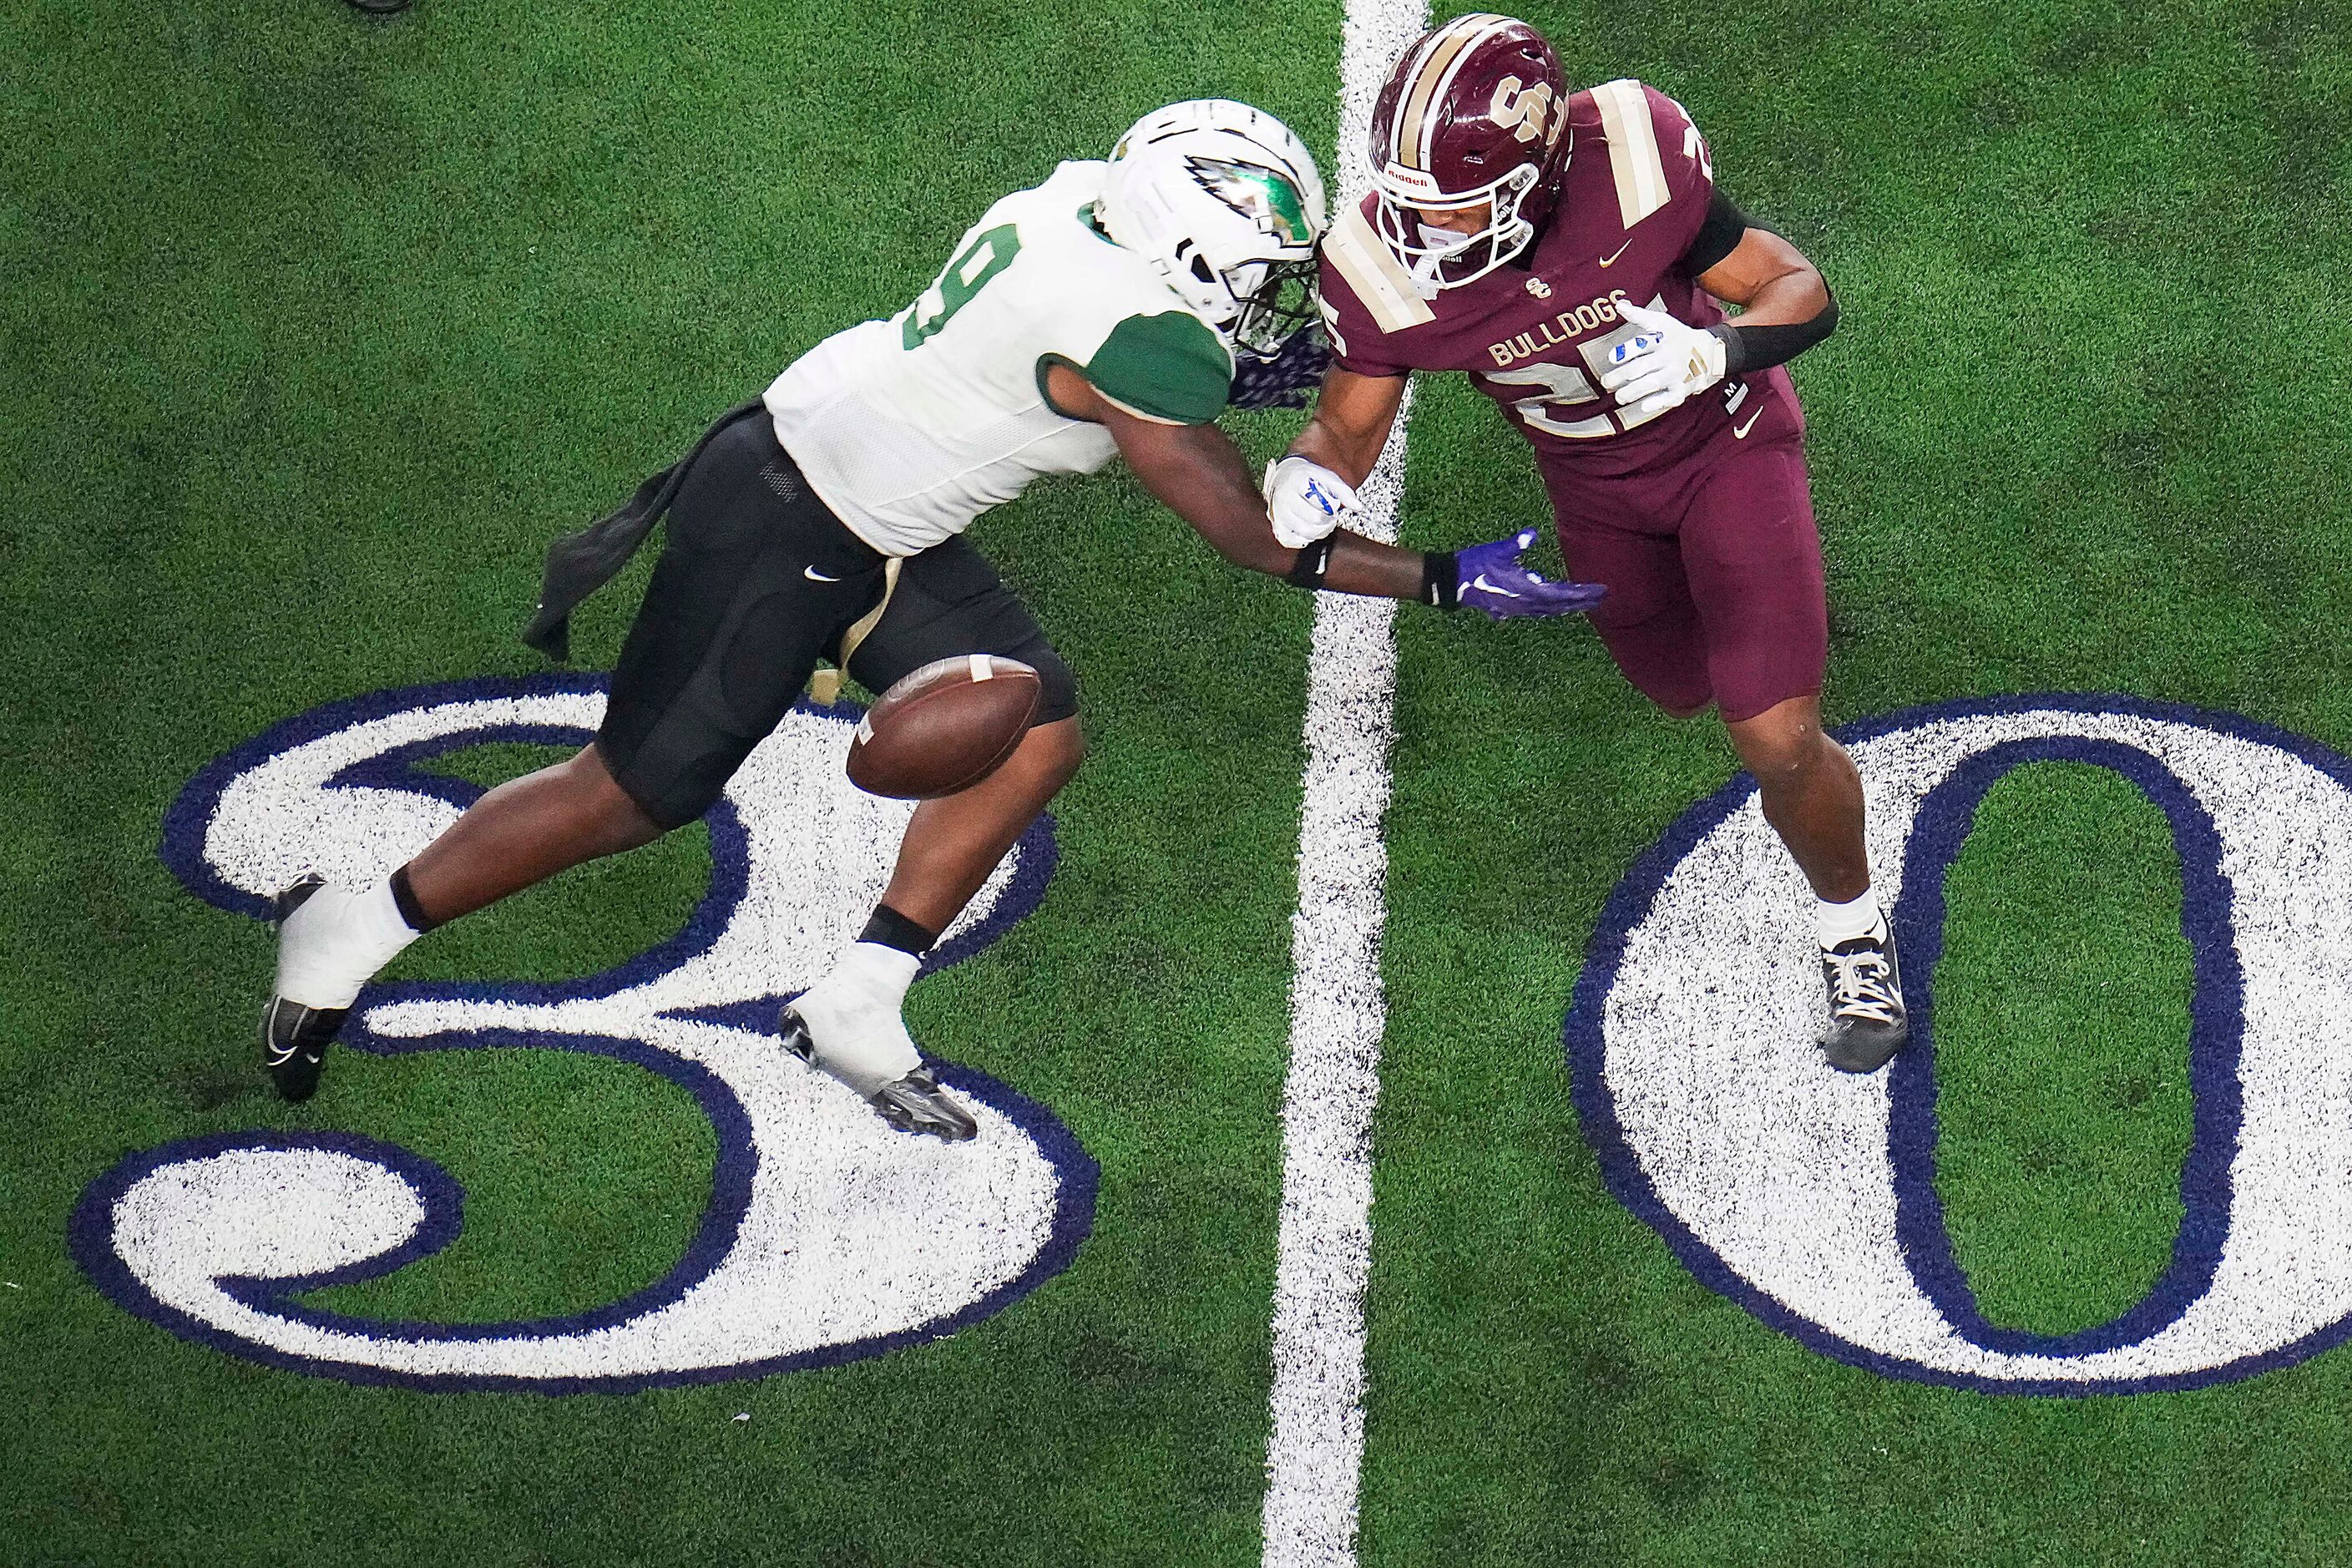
{"points": [[757, 582]]}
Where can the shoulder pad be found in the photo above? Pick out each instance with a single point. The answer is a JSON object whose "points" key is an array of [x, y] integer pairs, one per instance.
{"points": [[1170, 367], [1377, 279], [1655, 152]]}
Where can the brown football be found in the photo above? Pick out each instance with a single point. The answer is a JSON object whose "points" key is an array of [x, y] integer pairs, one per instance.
{"points": [[945, 726]]}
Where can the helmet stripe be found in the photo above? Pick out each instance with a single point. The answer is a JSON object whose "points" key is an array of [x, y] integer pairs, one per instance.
{"points": [[1414, 99], [1494, 27], [1409, 138]]}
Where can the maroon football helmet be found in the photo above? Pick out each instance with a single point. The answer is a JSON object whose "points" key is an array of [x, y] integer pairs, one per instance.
{"points": [[1474, 114]]}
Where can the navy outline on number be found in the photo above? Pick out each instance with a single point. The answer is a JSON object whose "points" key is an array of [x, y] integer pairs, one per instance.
{"points": [[90, 1230], [2217, 1024]]}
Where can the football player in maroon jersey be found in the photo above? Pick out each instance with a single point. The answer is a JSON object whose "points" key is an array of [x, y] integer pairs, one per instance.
{"points": [[1569, 251]]}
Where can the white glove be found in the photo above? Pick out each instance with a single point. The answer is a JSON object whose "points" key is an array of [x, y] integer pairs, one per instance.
{"points": [[1666, 363], [1306, 501]]}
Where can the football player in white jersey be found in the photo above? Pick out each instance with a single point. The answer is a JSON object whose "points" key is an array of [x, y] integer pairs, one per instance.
{"points": [[1114, 310]]}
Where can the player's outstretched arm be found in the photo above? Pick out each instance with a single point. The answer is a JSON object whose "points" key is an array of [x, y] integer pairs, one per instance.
{"points": [[1351, 422], [1199, 474], [1311, 490]]}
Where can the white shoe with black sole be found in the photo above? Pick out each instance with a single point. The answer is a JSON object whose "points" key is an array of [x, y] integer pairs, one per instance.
{"points": [[912, 1102]]}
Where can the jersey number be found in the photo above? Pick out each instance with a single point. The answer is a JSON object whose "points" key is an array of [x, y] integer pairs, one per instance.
{"points": [[1562, 384], [967, 275], [1570, 385], [1694, 147]]}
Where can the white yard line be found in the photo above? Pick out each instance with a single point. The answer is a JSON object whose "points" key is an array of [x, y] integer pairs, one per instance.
{"points": [[1316, 1447]]}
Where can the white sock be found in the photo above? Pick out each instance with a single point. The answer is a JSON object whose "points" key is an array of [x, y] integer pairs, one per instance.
{"points": [[336, 943], [1844, 923], [853, 1016]]}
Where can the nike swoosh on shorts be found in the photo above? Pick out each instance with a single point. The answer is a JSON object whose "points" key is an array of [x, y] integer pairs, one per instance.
{"points": [[814, 576]]}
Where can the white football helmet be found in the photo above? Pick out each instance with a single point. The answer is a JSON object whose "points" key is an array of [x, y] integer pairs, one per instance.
{"points": [[1227, 204]]}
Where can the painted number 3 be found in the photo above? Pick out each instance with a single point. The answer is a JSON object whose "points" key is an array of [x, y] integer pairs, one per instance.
{"points": [[827, 1237]]}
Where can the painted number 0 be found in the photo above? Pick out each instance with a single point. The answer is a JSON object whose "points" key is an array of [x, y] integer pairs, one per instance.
{"points": [[1809, 1198]]}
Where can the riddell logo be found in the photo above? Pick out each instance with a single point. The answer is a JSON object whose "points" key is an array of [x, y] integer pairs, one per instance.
{"points": [[1564, 328], [1412, 182]]}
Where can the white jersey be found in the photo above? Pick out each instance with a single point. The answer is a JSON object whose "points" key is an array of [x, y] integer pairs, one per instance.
{"points": [[910, 429]]}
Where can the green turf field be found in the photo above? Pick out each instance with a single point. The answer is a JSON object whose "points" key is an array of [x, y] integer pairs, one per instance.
{"points": [[316, 328]]}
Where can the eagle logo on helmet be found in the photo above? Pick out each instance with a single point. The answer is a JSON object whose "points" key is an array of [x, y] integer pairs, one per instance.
{"points": [[1259, 194]]}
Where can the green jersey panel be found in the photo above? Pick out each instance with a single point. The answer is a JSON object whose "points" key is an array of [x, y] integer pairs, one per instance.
{"points": [[1170, 366]]}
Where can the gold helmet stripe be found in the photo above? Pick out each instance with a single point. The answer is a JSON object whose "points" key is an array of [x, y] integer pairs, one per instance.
{"points": [[1432, 74]]}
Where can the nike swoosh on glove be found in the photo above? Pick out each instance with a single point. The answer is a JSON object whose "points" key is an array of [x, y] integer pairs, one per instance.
{"points": [[1489, 577], [1668, 361], [1304, 500], [1283, 378]]}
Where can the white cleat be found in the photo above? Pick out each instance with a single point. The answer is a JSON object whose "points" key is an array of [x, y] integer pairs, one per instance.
{"points": [[911, 1102]]}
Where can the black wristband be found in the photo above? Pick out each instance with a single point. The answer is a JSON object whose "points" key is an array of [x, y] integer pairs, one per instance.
{"points": [[1306, 570], [1440, 579], [1734, 351]]}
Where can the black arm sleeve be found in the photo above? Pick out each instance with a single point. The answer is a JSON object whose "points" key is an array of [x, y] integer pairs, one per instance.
{"points": [[1761, 348], [1748, 348], [1718, 238]]}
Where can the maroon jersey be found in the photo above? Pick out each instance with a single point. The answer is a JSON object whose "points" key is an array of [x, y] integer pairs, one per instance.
{"points": [[1534, 334]]}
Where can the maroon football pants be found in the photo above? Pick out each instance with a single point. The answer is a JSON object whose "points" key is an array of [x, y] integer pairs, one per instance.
{"points": [[1714, 572]]}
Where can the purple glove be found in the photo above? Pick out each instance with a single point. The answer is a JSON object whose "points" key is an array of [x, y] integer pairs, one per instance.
{"points": [[1281, 379], [1489, 577]]}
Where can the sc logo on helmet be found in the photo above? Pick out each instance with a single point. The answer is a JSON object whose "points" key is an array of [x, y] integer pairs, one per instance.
{"points": [[1524, 110]]}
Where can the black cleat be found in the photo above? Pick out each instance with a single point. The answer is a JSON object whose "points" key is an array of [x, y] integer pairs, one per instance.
{"points": [[294, 1039], [1867, 1023], [915, 1103]]}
